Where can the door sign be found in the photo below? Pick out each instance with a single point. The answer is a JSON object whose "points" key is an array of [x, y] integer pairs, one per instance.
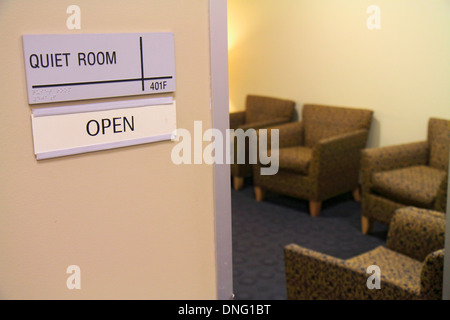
{"points": [[64, 67], [58, 132]]}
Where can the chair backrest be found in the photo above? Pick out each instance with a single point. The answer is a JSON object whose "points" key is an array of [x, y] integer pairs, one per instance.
{"points": [[326, 121], [260, 108], [439, 139]]}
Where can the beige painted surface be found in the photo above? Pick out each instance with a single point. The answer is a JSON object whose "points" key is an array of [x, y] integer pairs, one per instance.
{"points": [[138, 226], [322, 52]]}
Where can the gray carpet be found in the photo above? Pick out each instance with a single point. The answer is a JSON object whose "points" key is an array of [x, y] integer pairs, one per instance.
{"points": [[262, 229]]}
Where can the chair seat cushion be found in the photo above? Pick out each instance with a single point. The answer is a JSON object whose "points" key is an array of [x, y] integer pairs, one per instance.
{"points": [[417, 185], [394, 267], [295, 159]]}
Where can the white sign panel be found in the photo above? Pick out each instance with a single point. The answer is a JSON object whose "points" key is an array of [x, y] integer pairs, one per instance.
{"points": [[57, 132], [63, 67]]}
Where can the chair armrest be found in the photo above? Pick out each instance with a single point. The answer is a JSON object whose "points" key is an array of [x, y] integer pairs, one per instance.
{"points": [[338, 154], [237, 119], [431, 276], [391, 157], [312, 275], [440, 203], [289, 134], [264, 124], [416, 232], [245, 150]]}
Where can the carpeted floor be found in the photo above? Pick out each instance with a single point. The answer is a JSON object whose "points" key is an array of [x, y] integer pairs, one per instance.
{"points": [[262, 229]]}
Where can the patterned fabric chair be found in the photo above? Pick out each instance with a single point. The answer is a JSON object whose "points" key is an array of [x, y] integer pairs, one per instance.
{"points": [[410, 265], [319, 157], [260, 112], [413, 174]]}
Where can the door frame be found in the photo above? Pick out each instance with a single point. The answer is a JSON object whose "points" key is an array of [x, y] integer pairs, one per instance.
{"points": [[220, 120]]}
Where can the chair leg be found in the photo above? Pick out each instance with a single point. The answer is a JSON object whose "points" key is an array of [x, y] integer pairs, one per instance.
{"points": [[366, 225], [259, 193], [314, 208], [357, 194], [238, 183]]}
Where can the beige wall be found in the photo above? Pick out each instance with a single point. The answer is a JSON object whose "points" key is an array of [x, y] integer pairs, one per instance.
{"points": [[138, 226], [322, 52]]}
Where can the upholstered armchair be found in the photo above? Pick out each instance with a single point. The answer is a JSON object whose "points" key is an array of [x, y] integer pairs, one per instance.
{"points": [[260, 112], [319, 157], [410, 264], [412, 174]]}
